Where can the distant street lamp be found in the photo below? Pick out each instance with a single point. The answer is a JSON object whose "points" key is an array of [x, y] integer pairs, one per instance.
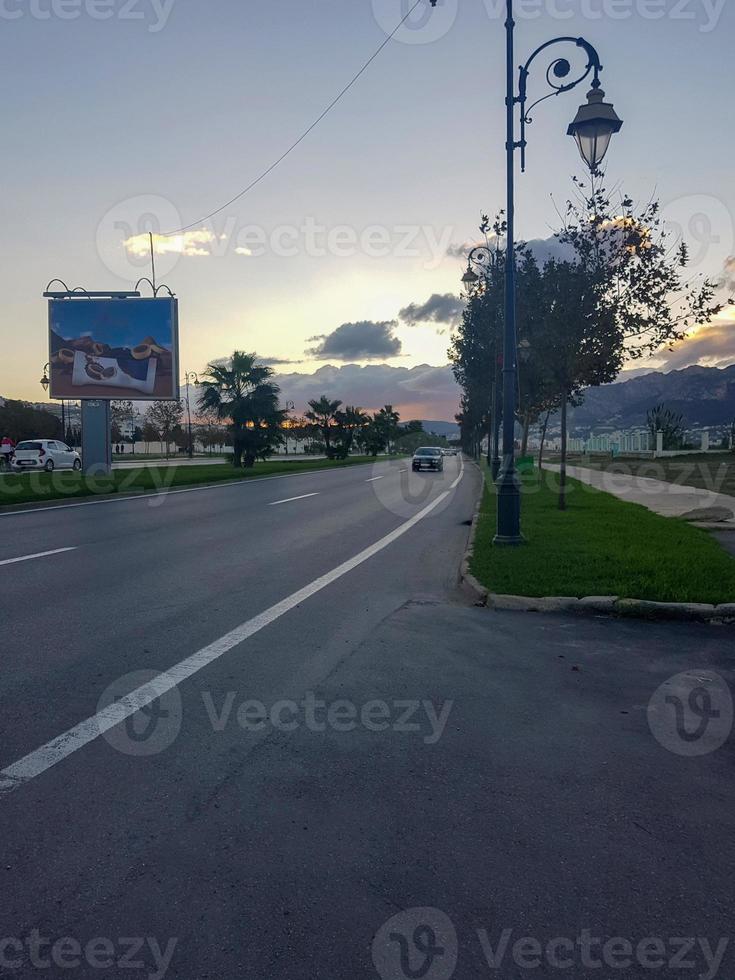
{"points": [[44, 382], [593, 127], [290, 406], [191, 377], [485, 259]]}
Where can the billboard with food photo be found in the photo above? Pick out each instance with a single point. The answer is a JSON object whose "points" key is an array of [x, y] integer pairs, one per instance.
{"points": [[114, 348]]}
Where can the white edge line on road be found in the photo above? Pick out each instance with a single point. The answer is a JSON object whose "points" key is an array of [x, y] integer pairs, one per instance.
{"points": [[40, 554], [169, 493], [48, 755], [374, 478], [288, 500]]}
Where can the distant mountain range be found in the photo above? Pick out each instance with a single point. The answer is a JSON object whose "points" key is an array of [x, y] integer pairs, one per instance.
{"points": [[450, 430], [704, 396]]}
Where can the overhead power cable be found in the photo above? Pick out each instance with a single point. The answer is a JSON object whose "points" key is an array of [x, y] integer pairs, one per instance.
{"points": [[301, 138]]}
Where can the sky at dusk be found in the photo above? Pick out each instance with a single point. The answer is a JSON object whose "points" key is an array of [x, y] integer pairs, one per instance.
{"points": [[128, 115]]}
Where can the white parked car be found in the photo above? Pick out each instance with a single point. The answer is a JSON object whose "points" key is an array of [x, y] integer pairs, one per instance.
{"points": [[45, 454]]}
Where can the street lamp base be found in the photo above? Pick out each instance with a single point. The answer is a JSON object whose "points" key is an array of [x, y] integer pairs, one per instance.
{"points": [[509, 505], [504, 541]]}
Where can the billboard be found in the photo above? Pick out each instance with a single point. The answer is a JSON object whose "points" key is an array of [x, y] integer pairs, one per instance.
{"points": [[114, 348]]}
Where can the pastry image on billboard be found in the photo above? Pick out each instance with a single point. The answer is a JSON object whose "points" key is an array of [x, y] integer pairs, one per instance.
{"points": [[113, 348]]}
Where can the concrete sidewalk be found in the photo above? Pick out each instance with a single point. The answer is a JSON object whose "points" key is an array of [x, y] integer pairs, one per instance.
{"points": [[667, 499]]}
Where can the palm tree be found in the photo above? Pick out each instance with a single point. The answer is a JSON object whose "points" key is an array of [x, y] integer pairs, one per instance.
{"points": [[323, 416], [350, 421], [387, 421], [239, 391]]}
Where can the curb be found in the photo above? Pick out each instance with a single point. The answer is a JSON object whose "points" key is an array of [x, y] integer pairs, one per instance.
{"points": [[687, 612], [477, 592]]}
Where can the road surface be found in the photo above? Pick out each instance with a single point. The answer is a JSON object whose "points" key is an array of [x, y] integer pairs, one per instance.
{"points": [[339, 738]]}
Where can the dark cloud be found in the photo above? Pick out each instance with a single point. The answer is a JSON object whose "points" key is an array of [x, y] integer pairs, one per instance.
{"points": [[443, 308], [543, 249], [362, 341], [425, 391], [277, 361], [461, 250]]}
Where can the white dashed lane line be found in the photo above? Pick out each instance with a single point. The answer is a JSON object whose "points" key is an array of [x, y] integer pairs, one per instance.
{"points": [[40, 554], [288, 500]]}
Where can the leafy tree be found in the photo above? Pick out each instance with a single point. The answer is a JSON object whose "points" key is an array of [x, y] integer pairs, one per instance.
{"points": [[387, 420], [639, 273], [350, 422], [582, 345], [372, 438], [670, 423], [164, 417], [240, 391], [322, 415], [19, 420], [150, 433]]}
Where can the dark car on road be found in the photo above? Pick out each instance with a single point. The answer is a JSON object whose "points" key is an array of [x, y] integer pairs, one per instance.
{"points": [[428, 458]]}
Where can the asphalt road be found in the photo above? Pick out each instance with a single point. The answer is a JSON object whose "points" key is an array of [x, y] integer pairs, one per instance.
{"points": [[341, 738]]}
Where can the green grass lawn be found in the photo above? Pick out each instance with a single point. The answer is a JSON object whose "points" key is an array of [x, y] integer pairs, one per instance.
{"points": [[600, 546], [23, 488], [708, 471]]}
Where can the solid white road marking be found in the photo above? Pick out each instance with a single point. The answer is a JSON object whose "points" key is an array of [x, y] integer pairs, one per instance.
{"points": [[289, 500], [373, 479], [48, 755], [40, 554]]}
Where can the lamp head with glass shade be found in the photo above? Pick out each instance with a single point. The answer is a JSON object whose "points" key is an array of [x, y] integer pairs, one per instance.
{"points": [[469, 280], [44, 382], [594, 126]]}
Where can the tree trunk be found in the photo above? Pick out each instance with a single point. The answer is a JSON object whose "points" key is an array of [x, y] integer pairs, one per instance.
{"points": [[543, 440], [526, 427], [236, 449], [563, 468]]}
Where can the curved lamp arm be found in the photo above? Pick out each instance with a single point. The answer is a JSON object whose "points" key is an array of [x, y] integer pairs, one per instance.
{"points": [[558, 70]]}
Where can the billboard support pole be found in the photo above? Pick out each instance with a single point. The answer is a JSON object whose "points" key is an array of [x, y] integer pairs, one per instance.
{"points": [[96, 445]]}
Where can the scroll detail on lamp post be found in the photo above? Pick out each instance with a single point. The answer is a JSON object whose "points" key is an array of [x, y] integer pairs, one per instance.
{"points": [[595, 124]]}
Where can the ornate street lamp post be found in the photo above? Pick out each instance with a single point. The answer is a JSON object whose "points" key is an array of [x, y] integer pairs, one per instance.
{"points": [[593, 127], [484, 260]]}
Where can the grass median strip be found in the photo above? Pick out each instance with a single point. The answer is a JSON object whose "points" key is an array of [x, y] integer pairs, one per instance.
{"points": [[25, 488], [599, 546]]}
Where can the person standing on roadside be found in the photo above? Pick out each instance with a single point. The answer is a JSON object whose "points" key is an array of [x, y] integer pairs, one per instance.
{"points": [[6, 451]]}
